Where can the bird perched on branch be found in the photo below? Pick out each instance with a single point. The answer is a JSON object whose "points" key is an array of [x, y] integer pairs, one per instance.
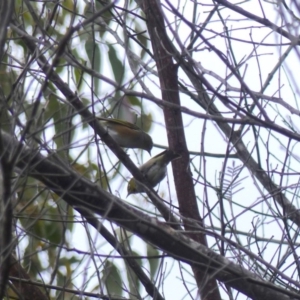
{"points": [[126, 134], [154, 170]]}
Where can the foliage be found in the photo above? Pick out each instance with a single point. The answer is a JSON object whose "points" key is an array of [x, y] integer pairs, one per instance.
{"points": [[214, 81]]}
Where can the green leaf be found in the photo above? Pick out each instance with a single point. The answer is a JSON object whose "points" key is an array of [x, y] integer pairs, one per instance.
{"points": [[134, 101], [142, 38], [94, 55], [112, 279], [106, 16], [5, 119], [134, 283], [144, 122], [78, 77], [59, 112], [31, 262], [153, 262], [116, 64]]}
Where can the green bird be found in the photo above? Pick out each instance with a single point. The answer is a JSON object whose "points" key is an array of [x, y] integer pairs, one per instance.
{"points": [[126, 134], [155, 170]]}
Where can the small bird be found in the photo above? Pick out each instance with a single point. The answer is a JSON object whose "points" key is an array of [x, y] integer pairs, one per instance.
{"points": [[126, 134], [154, 170]]}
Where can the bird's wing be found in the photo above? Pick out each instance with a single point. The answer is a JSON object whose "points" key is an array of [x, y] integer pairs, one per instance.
{"points": [[121, 122]]}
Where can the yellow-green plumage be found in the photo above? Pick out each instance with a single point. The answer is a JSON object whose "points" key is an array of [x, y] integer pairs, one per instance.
{"points": [[154, 170], [126, 134]]}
